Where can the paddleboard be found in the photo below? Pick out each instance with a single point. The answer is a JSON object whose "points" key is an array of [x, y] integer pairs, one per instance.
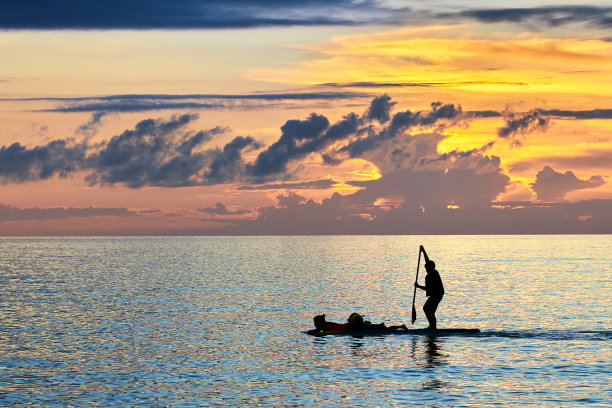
{"points": [[438, 332]]}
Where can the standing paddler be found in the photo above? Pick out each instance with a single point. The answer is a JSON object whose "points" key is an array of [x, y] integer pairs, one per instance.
{"points": [[433, 289]]}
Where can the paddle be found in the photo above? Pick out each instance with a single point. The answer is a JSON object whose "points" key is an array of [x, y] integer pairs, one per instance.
{"points": [[414, 295]]}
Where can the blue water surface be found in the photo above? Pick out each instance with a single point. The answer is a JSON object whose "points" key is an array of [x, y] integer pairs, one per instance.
{"points": [[218, 321]]}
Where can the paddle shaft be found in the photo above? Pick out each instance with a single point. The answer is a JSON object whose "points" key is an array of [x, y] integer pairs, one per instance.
{"points": [[414, 294]]}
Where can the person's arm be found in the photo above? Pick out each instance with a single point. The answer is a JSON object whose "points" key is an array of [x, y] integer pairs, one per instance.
{"points": [[416, 285], [424, 253]]}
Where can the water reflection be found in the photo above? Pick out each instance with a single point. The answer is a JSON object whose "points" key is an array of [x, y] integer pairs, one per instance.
{"points": [[356, 344], [427, 354], [433, 355]]}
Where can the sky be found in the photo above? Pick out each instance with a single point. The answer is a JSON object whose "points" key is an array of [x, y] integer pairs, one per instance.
{"points": [[257, 117]]}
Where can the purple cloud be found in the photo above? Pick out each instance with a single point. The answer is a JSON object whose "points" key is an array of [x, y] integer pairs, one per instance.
{"points": [[551, 185]]}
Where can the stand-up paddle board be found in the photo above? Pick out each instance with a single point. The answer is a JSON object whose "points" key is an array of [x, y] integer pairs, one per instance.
{"points": [[428, 332]]}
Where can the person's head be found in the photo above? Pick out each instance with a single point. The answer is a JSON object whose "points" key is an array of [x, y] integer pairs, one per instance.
{"points": [[319, 321], [430, 266], [355, 321]]}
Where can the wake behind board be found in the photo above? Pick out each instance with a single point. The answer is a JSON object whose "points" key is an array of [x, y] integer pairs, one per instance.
{"points": [[427, 332]]}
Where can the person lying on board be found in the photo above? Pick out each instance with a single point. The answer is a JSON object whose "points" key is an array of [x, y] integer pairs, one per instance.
{"points": [[355, 322], [322, 325], [434, 290]]}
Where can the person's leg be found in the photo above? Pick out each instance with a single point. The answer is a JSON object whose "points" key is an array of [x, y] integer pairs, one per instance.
{"points": [[430, 307], [431, 318]]}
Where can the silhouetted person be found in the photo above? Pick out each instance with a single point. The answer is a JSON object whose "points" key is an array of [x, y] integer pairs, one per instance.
{"points": [[433, 289], [322, 325], [355, 323]]}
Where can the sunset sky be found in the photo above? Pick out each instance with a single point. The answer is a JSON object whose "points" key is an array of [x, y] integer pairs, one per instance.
{"points": [[314, 117]]}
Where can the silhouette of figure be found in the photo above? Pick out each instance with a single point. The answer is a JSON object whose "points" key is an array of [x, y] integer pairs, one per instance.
{"points": [[355, 323], [433, 289], [322, 325]]}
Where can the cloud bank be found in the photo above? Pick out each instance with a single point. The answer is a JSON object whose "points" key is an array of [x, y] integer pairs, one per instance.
{"points": [[10, 213], [153, 102], [163, 152], [550, 16], [189, 14], [240, 14], [419, 191], [298, 215]]}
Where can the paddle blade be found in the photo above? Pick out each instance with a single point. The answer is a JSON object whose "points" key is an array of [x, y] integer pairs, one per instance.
{"points": [[413, 314]]}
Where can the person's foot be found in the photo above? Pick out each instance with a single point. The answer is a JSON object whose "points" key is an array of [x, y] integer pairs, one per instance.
{"points": [[431, 328]]}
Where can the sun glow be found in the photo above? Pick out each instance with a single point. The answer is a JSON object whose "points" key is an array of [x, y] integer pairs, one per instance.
{"points": [[365, 175]]}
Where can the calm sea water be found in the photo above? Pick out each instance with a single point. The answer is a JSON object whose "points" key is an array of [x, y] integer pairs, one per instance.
{"points": [[218, 321]]}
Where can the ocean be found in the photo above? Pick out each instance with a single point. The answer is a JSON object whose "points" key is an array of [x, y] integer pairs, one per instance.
{"points": [[219, 321]]}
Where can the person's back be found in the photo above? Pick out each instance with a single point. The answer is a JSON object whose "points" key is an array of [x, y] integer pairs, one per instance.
{"points": [[335, 327], [433, 283], [322, 325]]}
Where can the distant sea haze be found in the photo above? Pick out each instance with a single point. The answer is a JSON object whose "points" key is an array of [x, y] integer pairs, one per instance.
{"points": [[220, 321]]}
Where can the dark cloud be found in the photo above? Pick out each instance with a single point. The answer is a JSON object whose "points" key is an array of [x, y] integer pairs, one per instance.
{"points": [[380, 109], [163, 153], [522, 123], [20, 164], [546, 114], [264, 96], [400, 123], [579, 114], [148, 102], [133, 106], [484, 114], [306, 185], [9, 213], [90, 128], [552, 16], [147, 155], [300, 138], [551, 185], [221, 209], [156, 152], [276, 157], [227, 164], [189, 14]]}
